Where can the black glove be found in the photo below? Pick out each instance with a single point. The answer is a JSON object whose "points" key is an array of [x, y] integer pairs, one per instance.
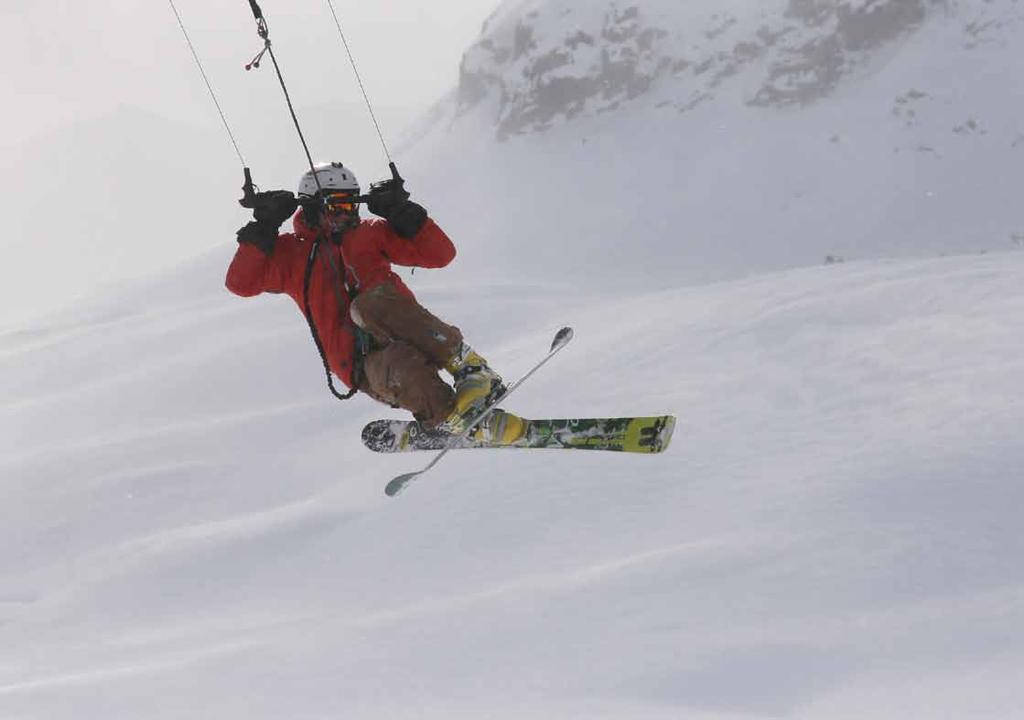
{"points": [[270, 209], [385, 196], [274, 207], [407, 218], [389, 199], [259, 233]]}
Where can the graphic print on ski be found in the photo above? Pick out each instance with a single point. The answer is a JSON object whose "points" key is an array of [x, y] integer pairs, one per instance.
{"points": [[647, 435], [561, 339]]}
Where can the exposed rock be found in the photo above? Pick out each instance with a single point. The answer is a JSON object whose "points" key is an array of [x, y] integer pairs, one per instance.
{"points": [[560, 60], [811, 70]]}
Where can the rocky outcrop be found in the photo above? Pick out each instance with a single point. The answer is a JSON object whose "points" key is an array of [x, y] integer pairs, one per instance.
{"points": [[561, 59], [828, 41], [537, 81]]}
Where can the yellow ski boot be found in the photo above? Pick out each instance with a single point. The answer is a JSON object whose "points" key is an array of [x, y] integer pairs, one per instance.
{"points": [[476, 387], [500, 428]]}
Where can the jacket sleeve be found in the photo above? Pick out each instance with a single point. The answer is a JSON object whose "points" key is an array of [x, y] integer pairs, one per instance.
{"points": [[252, 272], [431, 248]]}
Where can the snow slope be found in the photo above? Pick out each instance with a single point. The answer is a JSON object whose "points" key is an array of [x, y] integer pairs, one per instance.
{"points": [[191, 528]]}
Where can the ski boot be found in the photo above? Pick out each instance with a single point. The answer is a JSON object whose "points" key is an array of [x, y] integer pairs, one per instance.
{"points": [[477, 386], [499, 428]]}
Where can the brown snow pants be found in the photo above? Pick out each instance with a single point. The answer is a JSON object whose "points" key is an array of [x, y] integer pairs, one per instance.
{"points": [[410, 347]]}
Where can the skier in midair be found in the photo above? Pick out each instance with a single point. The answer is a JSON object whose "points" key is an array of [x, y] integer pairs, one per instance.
{"points": [[374, 335]]}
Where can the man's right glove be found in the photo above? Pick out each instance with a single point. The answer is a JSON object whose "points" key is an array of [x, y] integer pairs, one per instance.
{"points": [[259, 234], [274, 207], [270, 209]]}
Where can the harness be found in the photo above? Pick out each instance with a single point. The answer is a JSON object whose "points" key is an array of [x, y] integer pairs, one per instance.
{"points": [[363, 341]]}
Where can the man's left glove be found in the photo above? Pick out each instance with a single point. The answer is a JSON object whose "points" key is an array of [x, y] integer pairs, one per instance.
{"points": [[270, 209], [385, 195], [390, 200]]}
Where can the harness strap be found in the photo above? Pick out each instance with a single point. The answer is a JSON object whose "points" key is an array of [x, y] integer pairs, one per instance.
{"points": [[357, 361], [363, 339]]}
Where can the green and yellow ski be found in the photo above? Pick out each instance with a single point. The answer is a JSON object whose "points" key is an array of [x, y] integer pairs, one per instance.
{"points": [[646, 435]]}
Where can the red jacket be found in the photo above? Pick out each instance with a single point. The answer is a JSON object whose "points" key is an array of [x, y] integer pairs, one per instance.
{"points": [[366, 254]]}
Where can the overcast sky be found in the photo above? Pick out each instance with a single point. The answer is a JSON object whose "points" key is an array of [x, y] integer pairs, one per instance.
{"points": [[65, 57], [100, 95]]}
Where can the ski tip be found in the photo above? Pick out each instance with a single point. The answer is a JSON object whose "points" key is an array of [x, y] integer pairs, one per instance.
{"points": [[666, 433], [398, 484], [562, 337]]}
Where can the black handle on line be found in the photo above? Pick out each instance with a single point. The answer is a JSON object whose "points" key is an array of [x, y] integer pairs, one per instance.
{"points": [[256, 10], [248, 192]]}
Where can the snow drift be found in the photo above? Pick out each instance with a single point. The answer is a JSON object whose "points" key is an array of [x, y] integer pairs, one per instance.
{"points": [[189, 517]]}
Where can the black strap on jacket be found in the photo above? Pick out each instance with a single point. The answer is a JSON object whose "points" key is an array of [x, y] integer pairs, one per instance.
{"points": [[357, 359]]}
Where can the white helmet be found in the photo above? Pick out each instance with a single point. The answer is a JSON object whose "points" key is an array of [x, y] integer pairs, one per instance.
{"points": [[332, 176]]}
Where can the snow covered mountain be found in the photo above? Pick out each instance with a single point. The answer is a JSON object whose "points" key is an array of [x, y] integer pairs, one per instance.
{"points": [[698, 140]]}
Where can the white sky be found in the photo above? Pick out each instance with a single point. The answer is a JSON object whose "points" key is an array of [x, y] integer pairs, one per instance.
{"points": [[68, 64], [66, 57]]}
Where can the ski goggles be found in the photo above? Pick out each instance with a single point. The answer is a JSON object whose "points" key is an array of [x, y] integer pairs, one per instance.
{"points": [[340, 204]]}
